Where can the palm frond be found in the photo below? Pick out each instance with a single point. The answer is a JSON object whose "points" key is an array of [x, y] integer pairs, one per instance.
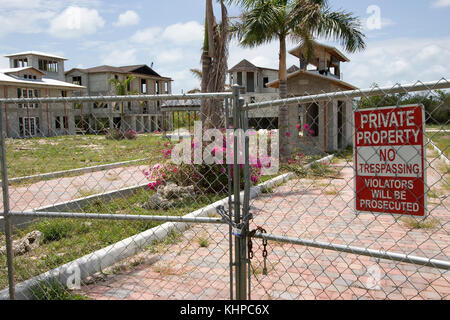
{"points": [[261, 25], [197, 73]]}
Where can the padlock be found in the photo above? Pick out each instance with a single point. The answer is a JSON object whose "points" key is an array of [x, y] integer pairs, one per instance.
{"points": [[237, 232]]}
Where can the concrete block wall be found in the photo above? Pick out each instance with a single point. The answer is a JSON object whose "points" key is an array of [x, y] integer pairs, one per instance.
{"points": [[46, 113]]}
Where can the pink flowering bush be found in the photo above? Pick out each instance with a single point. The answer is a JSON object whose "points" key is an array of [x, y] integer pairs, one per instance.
{"points": [[205, 178], [308, 132], [117, 134], [130, 135]]}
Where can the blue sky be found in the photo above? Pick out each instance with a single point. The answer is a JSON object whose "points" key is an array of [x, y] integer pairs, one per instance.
{"points": [[411, 43]]}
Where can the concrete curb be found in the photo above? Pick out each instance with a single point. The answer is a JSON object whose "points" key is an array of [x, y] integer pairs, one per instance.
{"points": [[106, 257], [440, 153], [77, 204], [327, 159], [60, 174]]}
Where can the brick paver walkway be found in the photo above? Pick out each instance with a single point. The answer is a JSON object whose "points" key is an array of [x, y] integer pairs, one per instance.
{"points": [[50, 192], [320, 209]]}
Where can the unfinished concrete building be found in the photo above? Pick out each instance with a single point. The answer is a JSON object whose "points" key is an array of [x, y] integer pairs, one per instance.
{"points": [[330, 121], [32, 75], [138, 116], [253, 81]]}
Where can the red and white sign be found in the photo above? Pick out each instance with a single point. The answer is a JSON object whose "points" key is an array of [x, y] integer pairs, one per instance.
{"points": [[390, 160]]}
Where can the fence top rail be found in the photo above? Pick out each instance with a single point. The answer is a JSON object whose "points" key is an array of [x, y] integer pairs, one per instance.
{"points": [[162, 97], [375, 91]]}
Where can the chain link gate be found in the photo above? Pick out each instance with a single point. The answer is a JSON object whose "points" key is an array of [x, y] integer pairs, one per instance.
{"points": [[134, 265], [307, 239], [239, 234]]}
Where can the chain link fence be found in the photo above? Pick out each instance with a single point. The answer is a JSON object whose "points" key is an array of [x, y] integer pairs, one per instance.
{"points": [[314, 241], [151, 197]]}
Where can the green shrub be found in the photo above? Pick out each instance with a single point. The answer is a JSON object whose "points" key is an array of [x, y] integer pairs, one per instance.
{"points": [[53, 290], [54, 230]]}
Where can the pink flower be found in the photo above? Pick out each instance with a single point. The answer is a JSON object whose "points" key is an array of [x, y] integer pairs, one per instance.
{"points": [[298, 127], [288, 134], [254, 179], [167, 153], [300, 155], [154, 185], [306, 126]]}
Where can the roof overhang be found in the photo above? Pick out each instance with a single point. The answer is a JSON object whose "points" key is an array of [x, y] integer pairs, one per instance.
{"points": [[41, 83], [304, 73], [35, 53], [14, 70], [297, 51]]}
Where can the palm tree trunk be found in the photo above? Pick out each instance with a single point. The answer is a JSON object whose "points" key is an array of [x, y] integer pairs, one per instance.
{"points": [[214, 65], [283, 116], [206, 64]]}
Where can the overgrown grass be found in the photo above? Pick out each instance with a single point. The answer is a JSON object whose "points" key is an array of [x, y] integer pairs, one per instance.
{"points": [[54, 291], [442, 141], [428, 223], [438, 127], [69, 239], [86, 192], [43, 155], [346, 155], [203, 242]]}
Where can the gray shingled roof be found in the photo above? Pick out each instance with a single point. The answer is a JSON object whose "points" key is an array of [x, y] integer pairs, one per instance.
{"points": [[141, 68], [244, 65]]}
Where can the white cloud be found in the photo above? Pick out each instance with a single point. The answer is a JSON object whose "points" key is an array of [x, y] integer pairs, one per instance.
{"points": [[441, 3], [146, 35], [179, 34], [170, 56], [120, 57], [399, 61], [262, 56], [183, 33], [75, 22], [128, 18], [23, 21], [34, 16]]}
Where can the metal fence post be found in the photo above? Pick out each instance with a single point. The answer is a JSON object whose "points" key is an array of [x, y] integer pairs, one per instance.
{"points": [[6, 209], [230, 200], [240, 241]]}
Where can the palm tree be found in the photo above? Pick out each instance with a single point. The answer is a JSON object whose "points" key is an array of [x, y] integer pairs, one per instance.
{"points": [[264, 21], [121, 88], [197, 73], [214, 65]]}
